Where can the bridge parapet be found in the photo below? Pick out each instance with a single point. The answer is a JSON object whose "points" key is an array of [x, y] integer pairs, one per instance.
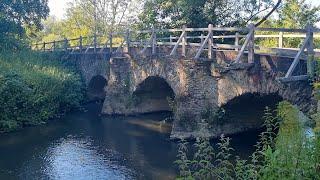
{"points": [[199, 43]]}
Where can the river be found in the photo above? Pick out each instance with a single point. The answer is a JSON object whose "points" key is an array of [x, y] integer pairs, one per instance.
{"points": [[85, 145]]}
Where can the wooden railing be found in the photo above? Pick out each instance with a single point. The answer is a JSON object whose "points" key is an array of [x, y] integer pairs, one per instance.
{"points": [[204, 40]]}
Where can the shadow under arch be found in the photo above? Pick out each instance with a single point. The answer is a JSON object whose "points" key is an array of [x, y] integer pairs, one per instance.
{"points": [[96, 87], [153, 95], [245, 112]]}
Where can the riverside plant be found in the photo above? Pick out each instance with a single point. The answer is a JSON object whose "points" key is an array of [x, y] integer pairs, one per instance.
{"points": [[282, 152], [35, 87]]}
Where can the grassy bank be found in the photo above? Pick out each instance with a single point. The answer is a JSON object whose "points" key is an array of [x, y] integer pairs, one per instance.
{"points": [[35, 87], [283, 152]]}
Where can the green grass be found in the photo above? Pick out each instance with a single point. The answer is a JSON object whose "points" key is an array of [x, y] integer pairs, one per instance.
{"points": [[35, 87]]}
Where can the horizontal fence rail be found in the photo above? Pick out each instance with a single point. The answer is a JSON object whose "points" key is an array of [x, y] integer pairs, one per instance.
{"points": [[170, 37], [200, 43]]}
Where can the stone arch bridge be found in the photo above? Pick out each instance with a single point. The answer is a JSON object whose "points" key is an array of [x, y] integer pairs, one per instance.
{"points": [[191, 80]]}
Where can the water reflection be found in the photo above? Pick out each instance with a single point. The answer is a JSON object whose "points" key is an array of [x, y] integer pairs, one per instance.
{"points": [[77, 158], [85, 145]]}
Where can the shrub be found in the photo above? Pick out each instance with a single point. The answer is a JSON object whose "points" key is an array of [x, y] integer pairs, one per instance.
{"points": [[289, 154], [35, 87]]}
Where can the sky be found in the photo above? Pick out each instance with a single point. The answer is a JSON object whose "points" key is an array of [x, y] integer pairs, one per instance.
{"points": [[58, 7]]}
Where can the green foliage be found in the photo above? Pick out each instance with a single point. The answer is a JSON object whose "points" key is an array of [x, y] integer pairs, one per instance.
{"points": [[202, 160], [175, 13], [292, 14], [35, 87], [271, 124], [316, 88], [207, 163], [286, 155], [16, 16], [183, 162], [294, 154], [81, 19], [297, 14]]}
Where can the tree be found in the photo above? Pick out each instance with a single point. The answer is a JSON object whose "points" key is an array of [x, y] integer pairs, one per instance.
{"points": [[269, 14], [292, 14], [110, 15], [83, 19], [16, 16], [175, 13], [297, 14]]}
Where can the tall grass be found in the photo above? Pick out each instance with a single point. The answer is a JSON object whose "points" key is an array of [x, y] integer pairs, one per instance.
{"points": [[288, 154], [35, 87]]}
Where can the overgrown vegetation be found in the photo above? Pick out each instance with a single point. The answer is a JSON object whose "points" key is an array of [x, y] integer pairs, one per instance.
{"points": [[283, 152], [35, 87], [316, 85]]}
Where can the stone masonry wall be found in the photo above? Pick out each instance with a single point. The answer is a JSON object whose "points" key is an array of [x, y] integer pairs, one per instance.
{"points": [[199, 86]]}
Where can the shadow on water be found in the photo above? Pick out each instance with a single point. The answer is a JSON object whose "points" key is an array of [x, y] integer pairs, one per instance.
{"points": [[85, 145]]}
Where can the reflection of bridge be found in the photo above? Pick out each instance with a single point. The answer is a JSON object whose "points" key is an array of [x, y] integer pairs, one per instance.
{"points": [[201, 68]]}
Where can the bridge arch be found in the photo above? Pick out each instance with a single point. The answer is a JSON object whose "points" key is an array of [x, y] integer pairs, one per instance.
{"points": [[96, 87], [246, 111], [153, 94], [238, 83]]}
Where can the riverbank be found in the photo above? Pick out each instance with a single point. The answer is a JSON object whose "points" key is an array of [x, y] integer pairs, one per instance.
{"points": [[35, 87], [284, 151]]}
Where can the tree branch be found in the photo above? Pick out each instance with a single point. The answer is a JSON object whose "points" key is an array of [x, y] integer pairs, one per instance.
{"points": [[269, 14]]}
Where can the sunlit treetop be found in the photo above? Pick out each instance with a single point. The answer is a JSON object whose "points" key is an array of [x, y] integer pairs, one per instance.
{"points": [[16, 15]]}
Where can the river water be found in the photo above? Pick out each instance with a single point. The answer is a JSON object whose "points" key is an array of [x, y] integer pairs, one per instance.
{"points": [[85, 145]]}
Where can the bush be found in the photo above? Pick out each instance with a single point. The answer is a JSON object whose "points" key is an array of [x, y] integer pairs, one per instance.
{"points": [[289, 154], [35, 87]]}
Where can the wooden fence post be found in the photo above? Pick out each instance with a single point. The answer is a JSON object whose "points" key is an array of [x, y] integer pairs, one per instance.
{"points": [[128, 40], [184, 41], [251, 45], [210, 41], [310, 51], [65, 44], [110, 41], [236, 41], [80, 44], [54, 45], [201, 38], [154, 41], [280, 43], [170, 39], [95, 43], [44, 46]]}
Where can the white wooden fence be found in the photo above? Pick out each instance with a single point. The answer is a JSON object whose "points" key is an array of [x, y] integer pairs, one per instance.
{"points": [[206, 40]]}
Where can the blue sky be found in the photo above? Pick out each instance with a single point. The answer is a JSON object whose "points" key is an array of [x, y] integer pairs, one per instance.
{"points": [[57, 7]]}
